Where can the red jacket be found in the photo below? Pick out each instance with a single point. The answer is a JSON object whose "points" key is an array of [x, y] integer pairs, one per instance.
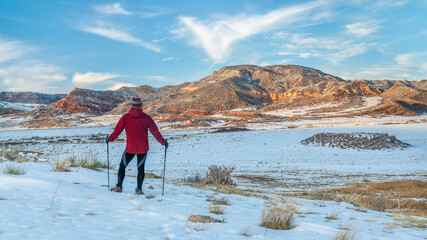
{"points": [[136, 124]]}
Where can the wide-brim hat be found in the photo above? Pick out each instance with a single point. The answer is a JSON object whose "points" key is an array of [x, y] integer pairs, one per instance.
{"points": [[136, 102]]}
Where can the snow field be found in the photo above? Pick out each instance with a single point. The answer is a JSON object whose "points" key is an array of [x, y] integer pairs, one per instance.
{"points": [[74, 205]]}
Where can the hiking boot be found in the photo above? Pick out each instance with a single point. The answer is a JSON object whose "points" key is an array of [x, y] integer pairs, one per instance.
{"points": [[116, 189], [138, 191]]}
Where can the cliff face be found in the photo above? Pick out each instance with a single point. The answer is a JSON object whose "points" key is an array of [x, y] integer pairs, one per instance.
{"points": [[85, 101]]}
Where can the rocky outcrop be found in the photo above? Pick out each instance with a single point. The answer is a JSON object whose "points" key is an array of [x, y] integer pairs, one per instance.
{"points": [[84, 101], [361, 140]]}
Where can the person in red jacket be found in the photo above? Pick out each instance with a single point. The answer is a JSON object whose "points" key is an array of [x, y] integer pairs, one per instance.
{"points": [[136, 124]]}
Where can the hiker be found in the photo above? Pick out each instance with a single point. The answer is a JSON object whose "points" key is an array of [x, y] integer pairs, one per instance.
{"points": [[136, 124]]}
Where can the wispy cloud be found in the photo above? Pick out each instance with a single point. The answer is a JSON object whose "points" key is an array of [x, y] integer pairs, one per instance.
{"points": [[114, 8], [334, 49], [20, 71], [362, 29], [410, 66], [119, 35], [170, 59], [89, 78], [158, 79], [216, 37], [12, 50]]}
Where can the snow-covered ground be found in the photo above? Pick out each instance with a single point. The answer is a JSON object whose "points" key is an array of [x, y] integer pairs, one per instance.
{"points": [[19, 106], [74, 205]]}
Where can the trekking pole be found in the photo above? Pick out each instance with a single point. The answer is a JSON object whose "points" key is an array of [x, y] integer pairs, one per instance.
{"points": [[164, 174], [108, 166]]}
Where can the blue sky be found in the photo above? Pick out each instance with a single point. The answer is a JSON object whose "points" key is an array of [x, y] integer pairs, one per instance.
{"points": [[54, 46]]}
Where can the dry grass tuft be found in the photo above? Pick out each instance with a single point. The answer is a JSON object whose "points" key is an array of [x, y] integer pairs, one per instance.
{"points": [[14, 170], [345, 235], [86, 161], [60, 166], [219, 201], [216, 209], [278, 218]]}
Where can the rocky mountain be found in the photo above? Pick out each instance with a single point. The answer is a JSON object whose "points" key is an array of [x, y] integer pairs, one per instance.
{"points": [[85, 101], [30, 97], [248, 87], [260, 87], [403, 100]]}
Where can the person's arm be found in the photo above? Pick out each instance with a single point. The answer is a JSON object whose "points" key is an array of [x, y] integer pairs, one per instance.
{"points": [[155, 131], [119, 129]]}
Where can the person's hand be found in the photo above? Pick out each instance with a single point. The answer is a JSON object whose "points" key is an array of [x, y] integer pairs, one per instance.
{"points": [[106, 139], [167, 144]]}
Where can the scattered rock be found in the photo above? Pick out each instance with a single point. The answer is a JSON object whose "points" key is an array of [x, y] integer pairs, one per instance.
{"points": [[203, 219], [150, 187], [360, 140]]}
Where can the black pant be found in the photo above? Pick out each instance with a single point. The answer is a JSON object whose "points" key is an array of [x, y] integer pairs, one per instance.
{"points": [[126, 158]]}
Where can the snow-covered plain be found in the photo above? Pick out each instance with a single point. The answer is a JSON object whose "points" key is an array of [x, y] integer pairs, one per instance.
{"points": [[75, 205]]}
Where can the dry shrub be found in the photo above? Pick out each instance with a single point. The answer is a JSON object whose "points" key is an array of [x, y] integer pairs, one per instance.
{"points": [[278, 218], [220, 175], [216, 175], [60, 166], [345, 235]]}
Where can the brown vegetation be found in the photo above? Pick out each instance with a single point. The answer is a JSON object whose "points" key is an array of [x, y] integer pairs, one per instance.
{"points": [[401, 196]]}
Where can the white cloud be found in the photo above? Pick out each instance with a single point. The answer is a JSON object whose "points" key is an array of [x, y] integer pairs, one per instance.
{"points": [[362, 29], [92, 77], [217, 37], [169, 59], [119, 35], [120, 85], [114, 8], [31, 75]]}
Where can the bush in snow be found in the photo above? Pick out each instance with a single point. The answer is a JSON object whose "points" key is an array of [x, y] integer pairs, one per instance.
{"points": [[14, 170], [216, 175], [278, 217], [219, 175]]}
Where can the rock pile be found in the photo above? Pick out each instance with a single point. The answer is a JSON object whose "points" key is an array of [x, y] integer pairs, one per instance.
{"points": [[358, 140]]}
